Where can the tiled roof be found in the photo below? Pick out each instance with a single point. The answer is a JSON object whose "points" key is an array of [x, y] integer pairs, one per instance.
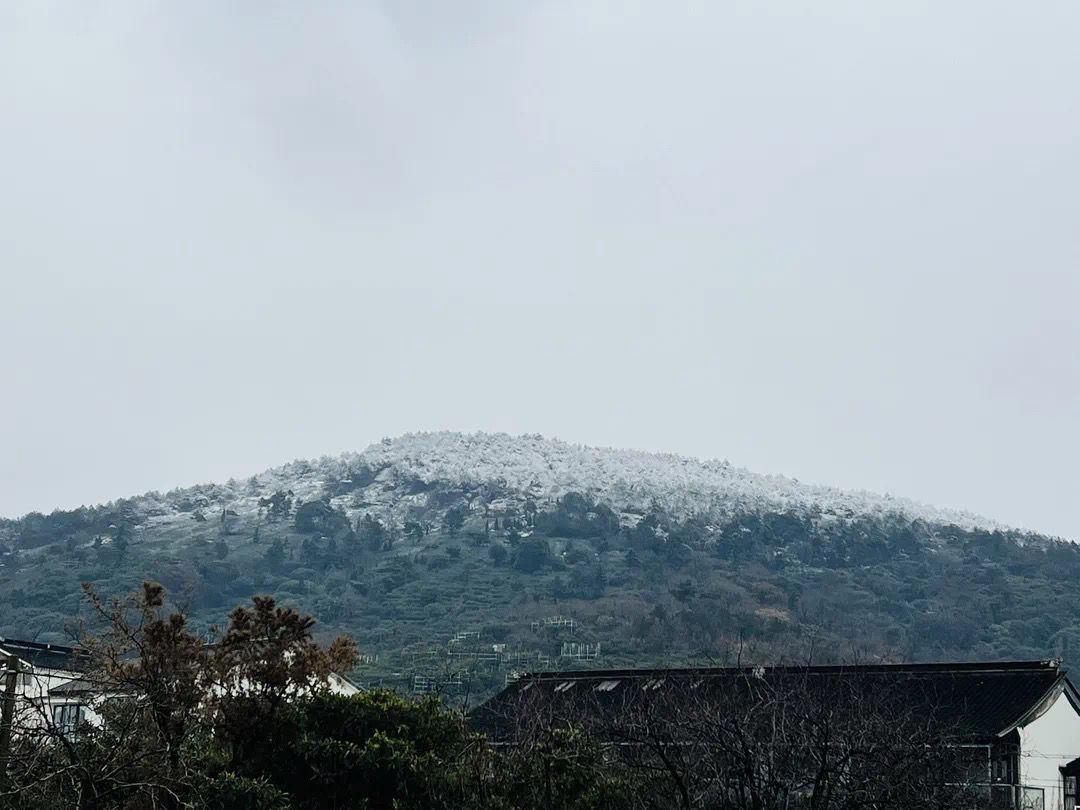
{"points": [[85, 685], [46, 656], [979, 700]]}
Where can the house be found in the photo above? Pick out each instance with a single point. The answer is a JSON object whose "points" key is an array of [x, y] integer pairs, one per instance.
{"points": [[42, 668], [55, 685], [1017, 722], [336, 683]]}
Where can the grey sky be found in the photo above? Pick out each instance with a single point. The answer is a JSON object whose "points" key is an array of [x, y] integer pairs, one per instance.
{"points": [[832, 240]]}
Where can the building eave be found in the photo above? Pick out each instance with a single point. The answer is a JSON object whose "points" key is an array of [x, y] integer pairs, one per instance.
{"points": [[1060, 686]]}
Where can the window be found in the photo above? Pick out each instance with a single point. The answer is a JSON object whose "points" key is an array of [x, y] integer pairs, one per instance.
{"points": [[1070, 793], [67, 717], [1005, 768]]}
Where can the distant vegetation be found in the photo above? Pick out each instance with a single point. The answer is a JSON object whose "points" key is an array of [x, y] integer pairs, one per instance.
{"points": [[446, 585]]}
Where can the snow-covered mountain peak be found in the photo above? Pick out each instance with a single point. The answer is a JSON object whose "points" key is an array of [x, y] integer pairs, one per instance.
{"points": [[394, 477], [629, 479]]}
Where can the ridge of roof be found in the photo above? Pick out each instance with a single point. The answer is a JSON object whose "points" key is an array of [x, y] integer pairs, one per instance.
{"points": [[37, 645], [1043, 666], [47, 656]]}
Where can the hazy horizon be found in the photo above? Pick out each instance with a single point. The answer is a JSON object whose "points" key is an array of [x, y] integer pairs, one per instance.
{"points": [[836, 244]]}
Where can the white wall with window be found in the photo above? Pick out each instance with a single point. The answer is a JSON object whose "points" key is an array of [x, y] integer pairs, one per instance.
{"points": [[1047, 744]]}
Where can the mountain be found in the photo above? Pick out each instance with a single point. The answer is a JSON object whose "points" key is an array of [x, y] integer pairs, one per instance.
{"points": [[457, 559], [633, 480]]}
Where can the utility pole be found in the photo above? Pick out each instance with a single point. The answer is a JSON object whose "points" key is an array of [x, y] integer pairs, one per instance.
{"points": [[6, 718]]}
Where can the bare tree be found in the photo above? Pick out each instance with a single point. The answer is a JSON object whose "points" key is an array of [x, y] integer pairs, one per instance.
{"points": [[116, 734], [60, 759], [790, 739]]}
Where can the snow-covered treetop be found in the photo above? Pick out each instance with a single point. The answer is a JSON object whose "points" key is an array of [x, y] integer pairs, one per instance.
{"points": [[548, 468], [515, 468]]}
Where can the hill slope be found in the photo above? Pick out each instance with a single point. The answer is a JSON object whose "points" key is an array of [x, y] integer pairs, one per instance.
{"points": [[532, 466], [449, 557]]}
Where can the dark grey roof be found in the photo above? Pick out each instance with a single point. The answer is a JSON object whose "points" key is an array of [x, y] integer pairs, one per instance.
{"points": [[984, 700], [47, 656], [86, 685]]}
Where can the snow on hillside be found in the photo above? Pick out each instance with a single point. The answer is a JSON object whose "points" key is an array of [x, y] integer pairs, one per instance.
{"points": [[530, 465], [626, 478]]}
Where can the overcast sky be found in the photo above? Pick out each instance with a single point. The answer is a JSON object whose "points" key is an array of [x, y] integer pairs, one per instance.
{"points": [[835, 240]]}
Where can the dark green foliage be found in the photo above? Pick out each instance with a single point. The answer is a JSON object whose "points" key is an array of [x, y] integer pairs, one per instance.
{"points": [[36, 530], [327, 751], [576, 515], [397, 572], [498, 554], [275, 555], [319, 516], [684, 591], [372, 534], [588, 581], [358, 476], [774, 583], [532, 555], [277, 505], [231, 792], [575, 554], [454, 520]]}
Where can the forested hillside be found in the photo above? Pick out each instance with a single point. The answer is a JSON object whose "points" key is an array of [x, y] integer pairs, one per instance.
{"points": [[457, 560]]}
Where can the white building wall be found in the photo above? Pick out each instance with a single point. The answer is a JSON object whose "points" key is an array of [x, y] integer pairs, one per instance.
{"points": [[32, 687], [1047, 743], [342, 686]]}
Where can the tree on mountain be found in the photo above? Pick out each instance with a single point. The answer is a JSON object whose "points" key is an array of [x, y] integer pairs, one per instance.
{"points": [[372, 534], [588, 581], [414, 531], [530, 510], [228, 521], [277, 505], [321, 518], [275, 555], [684, 591], [532, 555], [309, 552], [454, 520], [575, 504], [498, 553]]}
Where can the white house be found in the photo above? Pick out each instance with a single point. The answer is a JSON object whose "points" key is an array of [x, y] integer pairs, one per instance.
{"points": [[42, 668], [54, 685]]}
